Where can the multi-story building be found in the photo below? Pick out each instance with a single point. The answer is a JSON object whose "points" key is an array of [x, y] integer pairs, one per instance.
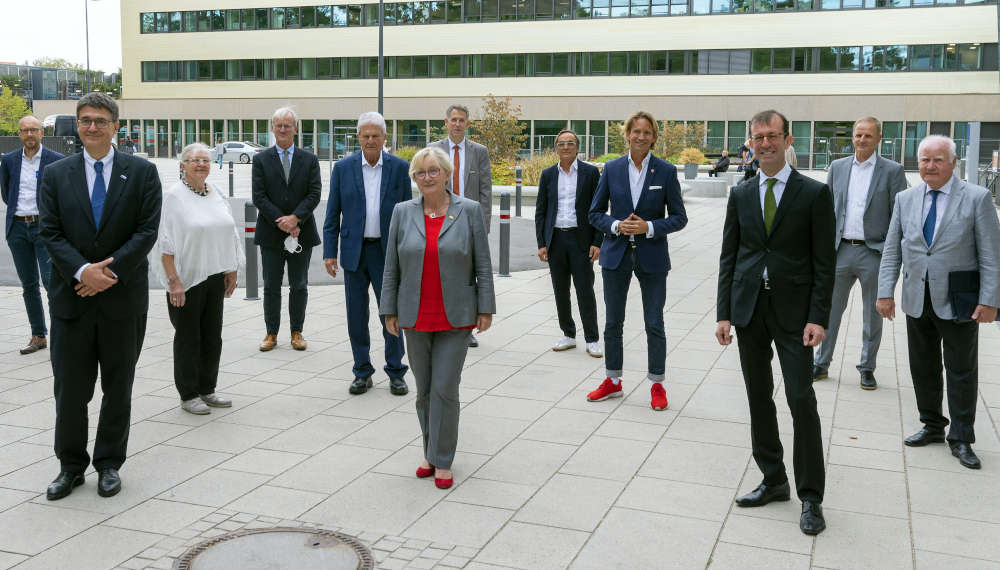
{"points": [[209, 70], [48, 83]]}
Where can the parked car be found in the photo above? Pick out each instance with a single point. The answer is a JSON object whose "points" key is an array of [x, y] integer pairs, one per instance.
{"points": [[241, 152]]}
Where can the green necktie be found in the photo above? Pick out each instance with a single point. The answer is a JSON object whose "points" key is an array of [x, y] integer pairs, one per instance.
{"points": [[770, 204]]}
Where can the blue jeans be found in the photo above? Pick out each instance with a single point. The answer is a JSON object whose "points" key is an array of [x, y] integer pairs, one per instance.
{"points": [[31, 261], [654, 296]]}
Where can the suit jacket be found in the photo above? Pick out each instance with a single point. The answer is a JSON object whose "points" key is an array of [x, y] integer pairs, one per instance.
{"points": [[477, 174], [463, 258], [798, 253], [274, 197], [968, 238], [722, 165], [127, 232], [347, 199], [547, 203], [10, 178], [888, 179], [661, 194]]}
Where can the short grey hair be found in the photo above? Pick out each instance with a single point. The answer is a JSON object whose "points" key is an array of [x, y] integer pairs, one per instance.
{"points": [[872, 120], [97, 100], [192, 148], [457, 107], [938, 139], [435, 156], [371, 118], [281, 112]]}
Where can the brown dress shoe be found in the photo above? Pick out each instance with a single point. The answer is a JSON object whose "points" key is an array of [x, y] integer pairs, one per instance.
{"points": [[270, 341], [298, 343], [34, 345]]}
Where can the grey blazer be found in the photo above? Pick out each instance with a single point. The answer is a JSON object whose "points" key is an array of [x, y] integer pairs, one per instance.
{"points": [[967, 239], [477, 174], [463, 256], [887, 181]]}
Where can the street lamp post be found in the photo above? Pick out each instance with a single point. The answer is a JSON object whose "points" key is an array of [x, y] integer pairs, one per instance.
{"points": [[381, 72], [86, 25]]}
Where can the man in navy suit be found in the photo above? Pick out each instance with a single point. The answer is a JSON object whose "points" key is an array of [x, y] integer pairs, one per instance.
{"points": [[567, 241], [641, 189], [364, 188], [20, 173]]}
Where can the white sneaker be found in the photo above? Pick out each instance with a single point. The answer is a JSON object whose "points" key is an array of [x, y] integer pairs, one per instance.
{"points": [[195, 406], [594, 349], [216, 401], [565, 343]]}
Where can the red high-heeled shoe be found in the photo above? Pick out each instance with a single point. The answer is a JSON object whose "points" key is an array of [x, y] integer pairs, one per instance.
{"points": [[443, 483], [424, 473]]}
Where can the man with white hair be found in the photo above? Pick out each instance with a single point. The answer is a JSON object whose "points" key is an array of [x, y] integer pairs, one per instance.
{"points": [[286, 189], [945, 233], [364, 188]]}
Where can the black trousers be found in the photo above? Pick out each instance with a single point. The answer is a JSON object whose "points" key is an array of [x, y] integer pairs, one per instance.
{"points": [[567, 259], [754, 342], [79, 346], [272, 264], [925, 337], [198, 337]]}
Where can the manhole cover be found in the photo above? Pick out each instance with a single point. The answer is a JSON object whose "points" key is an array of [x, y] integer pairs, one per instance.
{"points": [[278, 549]]}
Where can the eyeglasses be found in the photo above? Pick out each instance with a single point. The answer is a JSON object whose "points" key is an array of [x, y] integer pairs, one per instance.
{"points": [[85, 123], [198, 161], [565, 144], [773, 137], [432, 173], [29, 131], [283, 127]]}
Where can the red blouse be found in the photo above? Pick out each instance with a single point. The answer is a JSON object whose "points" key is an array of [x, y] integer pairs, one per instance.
{"points": [[431, 316]]}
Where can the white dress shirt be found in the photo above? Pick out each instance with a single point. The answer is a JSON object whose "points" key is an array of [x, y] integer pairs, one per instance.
{"points": [[857, 197], [636, 180], [372, 176], [779, 188], [290, 150], [461, 165], [27, 194], [89, 162], [566, 204], [942, 204]]}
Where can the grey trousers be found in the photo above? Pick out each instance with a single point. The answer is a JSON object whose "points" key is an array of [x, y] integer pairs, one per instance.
{"points": [[854, 262], [436, 361]]}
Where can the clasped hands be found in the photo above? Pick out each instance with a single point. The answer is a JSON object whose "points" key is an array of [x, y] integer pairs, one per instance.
{"points": [[95, 279], [289, 224], [812, 334], [633, 225], [483, 322]]}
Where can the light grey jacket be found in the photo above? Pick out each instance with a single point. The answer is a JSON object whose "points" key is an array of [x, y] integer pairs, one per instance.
{"points": [[888, 179], [967, 239], [477, 175], [463, 258]]}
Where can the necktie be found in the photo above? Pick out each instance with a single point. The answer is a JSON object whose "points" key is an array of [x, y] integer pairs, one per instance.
{"points": [[931, 218], [770, 204], [99, 193], [285, 164], [456, 173]]}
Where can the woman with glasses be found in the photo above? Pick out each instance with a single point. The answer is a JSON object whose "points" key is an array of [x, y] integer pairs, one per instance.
{"points": [[437, 286], [196, 259]]}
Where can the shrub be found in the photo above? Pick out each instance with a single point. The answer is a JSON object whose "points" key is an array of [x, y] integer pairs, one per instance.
{"points": [[691, 156], [406, 152], [502, 172], [531, 170], [606, 157]]}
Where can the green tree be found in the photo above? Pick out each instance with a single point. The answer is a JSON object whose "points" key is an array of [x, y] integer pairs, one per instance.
{"points": [[56, 62], [12, 108], [499, 129], [10, 82]]}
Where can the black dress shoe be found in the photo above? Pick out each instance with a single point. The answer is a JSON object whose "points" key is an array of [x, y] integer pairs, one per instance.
{"points": [[398, 386], [819, 373], [812, 521], [108, 482], [967, 457], [868, 380], [473, 343], [360, 385], [923, 437], [764, 494], [63, 485]]}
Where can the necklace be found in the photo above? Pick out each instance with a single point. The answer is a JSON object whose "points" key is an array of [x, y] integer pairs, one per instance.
{"points": [[433, 213], [202, 192]]}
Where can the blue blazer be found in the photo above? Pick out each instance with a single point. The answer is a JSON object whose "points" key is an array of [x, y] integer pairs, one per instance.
{"points": [[659, 204], [10, 179], [347, 201]]}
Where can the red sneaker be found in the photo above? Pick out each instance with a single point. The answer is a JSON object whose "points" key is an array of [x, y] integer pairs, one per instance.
{"points": [[658, 397], [607, 389]]}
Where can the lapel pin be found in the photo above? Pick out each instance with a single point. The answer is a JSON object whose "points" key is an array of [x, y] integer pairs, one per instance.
{"points": [[123, 177], [651, 171], [451, 217]]}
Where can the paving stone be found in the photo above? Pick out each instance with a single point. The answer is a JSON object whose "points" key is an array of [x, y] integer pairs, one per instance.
{"points": [[469, 525], [406, 553], [522, 545], [452, 561]]}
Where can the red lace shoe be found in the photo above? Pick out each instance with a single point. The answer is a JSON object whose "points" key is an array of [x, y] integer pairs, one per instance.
{"points": [[658, 397], [607, 389], [424, 473]]}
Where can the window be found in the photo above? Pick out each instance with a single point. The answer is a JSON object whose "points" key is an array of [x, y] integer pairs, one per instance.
{"points": [[247, 68], [968, 57], [543, 64], [599, 63], [560, 64], [420, 66], [149, 70], [782, 60], [404, 66], [438, 9], [720, 6], [354, 15], [491, 10], [323, 16], [454, 66], [338, 15], [988, 57], [718, 61], [659, 8], [543, 9], [827, 59], [678, 7], [742, 6], [676, 62], [658, 62], [895, 58], [563, 9], [850, 58], [247, 19], [601, 9], [147, 23], [525, 9], [508, 65], [804, 59], [190, 21], [761, 61], [261, 16], [204, 21], [421, 12], [308, 68], [309, 16], [277, 18], [175, 22], [620, 8], [920, 57], [640, 8], [218, 20], [232, 19], [353, 67], [763, 5], [233, 70], [473, 10]]}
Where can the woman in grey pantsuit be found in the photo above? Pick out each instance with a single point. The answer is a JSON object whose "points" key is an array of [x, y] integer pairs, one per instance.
{"points": [[438, 286]]}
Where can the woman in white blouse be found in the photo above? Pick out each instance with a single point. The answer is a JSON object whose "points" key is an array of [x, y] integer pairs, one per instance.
{"points": [[196, 258]]}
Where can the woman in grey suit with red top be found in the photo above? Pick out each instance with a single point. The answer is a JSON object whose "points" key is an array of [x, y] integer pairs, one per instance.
{"points": [[437, 286]]}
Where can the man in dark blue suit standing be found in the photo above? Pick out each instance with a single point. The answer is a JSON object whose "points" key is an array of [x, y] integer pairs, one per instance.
{"points": [[641, 190], [364, 188], [20, 173]]}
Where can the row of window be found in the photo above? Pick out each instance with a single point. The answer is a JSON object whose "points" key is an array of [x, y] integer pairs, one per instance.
{"points": [[941, 57], [458, 11]]}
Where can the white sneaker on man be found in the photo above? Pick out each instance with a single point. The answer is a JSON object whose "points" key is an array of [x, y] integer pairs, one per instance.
{"points": [[594, 349], [565, 343], [195, 406]]}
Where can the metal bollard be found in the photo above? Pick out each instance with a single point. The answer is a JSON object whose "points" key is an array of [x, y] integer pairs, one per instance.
{"points": [[517, 191], [230, 179], [505, 234], [250, 223]]}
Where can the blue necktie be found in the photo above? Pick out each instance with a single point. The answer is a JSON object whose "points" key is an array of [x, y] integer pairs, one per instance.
{"points": [[99, 193], [931, 218]]}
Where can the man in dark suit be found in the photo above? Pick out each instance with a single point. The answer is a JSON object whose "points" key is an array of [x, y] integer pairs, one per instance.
{"points": [[775, 284], [286, 189], [640, 189], [567, 241], [99, 214], [364, 189], [20, 173], [722, 165]]}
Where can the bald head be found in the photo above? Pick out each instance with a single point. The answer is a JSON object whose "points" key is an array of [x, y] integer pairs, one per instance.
{"points": [[29, 129]]}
